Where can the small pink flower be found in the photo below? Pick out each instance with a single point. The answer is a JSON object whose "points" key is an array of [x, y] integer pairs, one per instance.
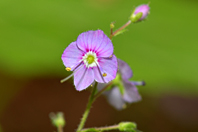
{"points": [[91, 58]]}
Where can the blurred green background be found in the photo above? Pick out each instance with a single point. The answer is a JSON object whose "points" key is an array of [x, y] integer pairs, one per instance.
{"points": [[163, 50]]}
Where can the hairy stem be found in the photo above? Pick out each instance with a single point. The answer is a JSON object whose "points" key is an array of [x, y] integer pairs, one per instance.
{"points": [[107, 128], [60, 128], [86, 113]]}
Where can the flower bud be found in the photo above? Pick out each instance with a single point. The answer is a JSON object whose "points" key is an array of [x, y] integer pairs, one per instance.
{"points": [[127, 126], [140, 13], [57, 119], [112, 25]]}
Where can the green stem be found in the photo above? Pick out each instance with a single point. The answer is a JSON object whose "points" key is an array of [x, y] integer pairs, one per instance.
{"points": [[86, 113], [114, 127], [123, 27]]}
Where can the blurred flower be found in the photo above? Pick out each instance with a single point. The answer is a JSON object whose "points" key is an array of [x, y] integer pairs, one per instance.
{"points": [[57, 119], [91, 58], [140, 13], [122, 91]]}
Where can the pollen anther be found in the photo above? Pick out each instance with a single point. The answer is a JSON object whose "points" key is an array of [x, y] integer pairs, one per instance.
{"points": [[104, 74], [68, 68], [124, 106]]}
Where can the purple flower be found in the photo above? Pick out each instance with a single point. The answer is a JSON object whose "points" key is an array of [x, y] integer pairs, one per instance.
{"points": [[122, 91], [91, 58], [140, 13]]}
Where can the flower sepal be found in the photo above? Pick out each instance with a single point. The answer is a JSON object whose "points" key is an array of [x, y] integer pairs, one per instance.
{"points": [[127, 127], [57, 119], [135, 17]]}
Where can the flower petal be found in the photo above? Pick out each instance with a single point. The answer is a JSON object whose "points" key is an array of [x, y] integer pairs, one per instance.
{"points": [[108, 66], [115, 98], [131, 92], [95, 41], [72, 55], [83, 77], [124, 69]]}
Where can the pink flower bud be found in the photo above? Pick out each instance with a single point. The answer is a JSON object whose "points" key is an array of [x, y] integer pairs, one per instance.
{"points": [[140, 13]]}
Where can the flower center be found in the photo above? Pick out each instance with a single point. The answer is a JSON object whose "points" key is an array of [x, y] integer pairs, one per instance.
{"points": [[90, 59]]}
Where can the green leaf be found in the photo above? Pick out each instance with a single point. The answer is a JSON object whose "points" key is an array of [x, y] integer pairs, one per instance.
{"points": [[120, 32]]}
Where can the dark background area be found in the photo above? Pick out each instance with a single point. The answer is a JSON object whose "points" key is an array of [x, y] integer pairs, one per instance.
{"points": [[161, 50]]}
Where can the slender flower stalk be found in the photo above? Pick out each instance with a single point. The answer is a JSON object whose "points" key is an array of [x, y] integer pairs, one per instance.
{"points": [[107, 128], [86, 113], [122, 126], [58, 120], [121, 28], [60, 128]]}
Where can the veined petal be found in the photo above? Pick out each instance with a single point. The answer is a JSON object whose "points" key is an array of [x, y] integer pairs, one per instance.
{"points": [[72, 55], [124, 69], [101, 86], [107, 66], [83, 77], [115, 98], [95, 41], [131, 92]]}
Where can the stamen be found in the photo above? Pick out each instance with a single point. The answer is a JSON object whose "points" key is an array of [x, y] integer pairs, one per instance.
{"points": [[138, 83], [111, 56], [65, 79], [104, 74], [100, 71], [124, 106], [68, 68]]}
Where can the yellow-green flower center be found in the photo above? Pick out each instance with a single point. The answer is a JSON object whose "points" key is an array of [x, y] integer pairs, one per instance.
{"points": [[90, 59]]}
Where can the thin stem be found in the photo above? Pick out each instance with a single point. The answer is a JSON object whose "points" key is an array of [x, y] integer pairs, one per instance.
{"points": [[107, 128], [101, 91], [60, 128], [123, 27], [111, 31], [86, 113]]}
